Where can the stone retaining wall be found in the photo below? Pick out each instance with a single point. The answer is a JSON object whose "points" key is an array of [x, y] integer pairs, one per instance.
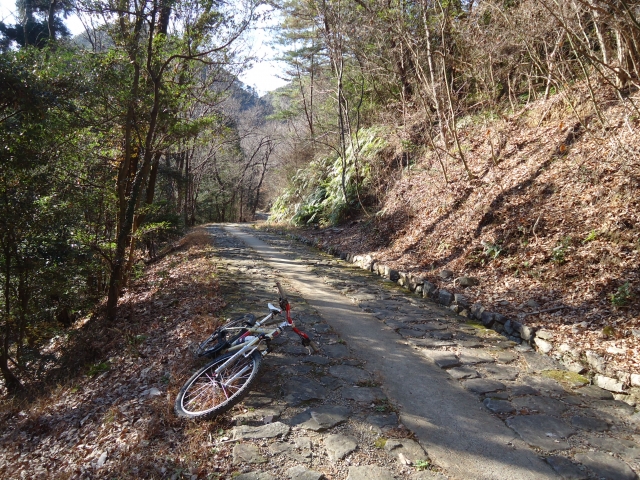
{"points": [[624, 385]]}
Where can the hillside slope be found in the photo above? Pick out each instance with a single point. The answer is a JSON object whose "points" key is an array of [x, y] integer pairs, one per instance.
{"points": [[552, 219]]}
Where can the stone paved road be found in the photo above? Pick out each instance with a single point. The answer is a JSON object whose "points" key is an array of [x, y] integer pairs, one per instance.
{"points": [[480, 407]]}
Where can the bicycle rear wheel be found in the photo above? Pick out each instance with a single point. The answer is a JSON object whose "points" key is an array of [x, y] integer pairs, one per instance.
{"points": [[206, 395]]}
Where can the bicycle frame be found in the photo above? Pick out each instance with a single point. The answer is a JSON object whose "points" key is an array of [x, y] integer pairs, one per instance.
{"points": [[262, 334]]}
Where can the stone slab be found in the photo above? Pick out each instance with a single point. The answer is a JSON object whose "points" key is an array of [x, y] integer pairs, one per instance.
{"points": [[482, 386], [474, 356], [444, 359], [349, 374], [566, 468], [460, 373], [325, 417], [404, 449], [606, 466], [271, 430], [303, 389], [302, 473], [247, 453], [362, 394], [339, 446], [542, 431], [590, 424], [501, 372], [336, 350], [501, 407], [255, 476], [369, 472], [540, 404]]}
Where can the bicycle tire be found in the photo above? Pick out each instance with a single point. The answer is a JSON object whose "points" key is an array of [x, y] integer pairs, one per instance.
{"points": [[202, 397], [210, 349]]}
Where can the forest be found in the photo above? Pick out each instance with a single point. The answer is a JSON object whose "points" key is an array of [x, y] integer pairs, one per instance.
{"points": [[395, 116]]}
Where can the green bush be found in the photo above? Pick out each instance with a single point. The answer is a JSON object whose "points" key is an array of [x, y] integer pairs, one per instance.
{"points": [[315, 194]]}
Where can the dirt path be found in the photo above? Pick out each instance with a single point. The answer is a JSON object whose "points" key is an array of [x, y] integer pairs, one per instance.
{"points": [[479, 407]]}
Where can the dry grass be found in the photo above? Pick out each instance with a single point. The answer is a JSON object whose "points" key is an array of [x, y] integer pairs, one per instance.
{"points": [[64, 428], [552, 216]]}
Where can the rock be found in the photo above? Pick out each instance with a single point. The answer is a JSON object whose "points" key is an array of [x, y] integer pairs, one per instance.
{"points": [[501, 407], [612, 409], [573, 366], [476, 311], [482, 386], [247, 453], [302, 389], [101, 460], [349, 374], [316, 359], [468, 281], [325, 417], [539, 404], [543, 345], [474, 356], [428, 289], [460, 373], [506, 357], [381, 421], [415, 282], [622, 447], [499, 319], [278, 448], [566, 468], [441, 335], [502, 373], [445, 298], [525, 332], [445, 274], [604, 465], [427, 475], [635, 379], [542, 431], [532, 303], [595, 361], [487, 318], [405, 332], [539, 363], [461, 300], [301, 473], [594, 392], [608, 383], [271, 430], [257, 400], [332, 383], [406, 449], [589, 423], [544, 334], [362, 394], [339, 446], [369, 472], [520, 390], [322, 328], [444, 359], [259, 414], [255, 476], [392, 275]]}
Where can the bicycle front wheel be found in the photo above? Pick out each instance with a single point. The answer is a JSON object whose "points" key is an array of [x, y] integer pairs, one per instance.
{"points": [[207, 394]]}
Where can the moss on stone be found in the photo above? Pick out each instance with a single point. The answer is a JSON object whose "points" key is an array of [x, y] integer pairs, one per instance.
{"points": [[380, 443], [564, 376]]}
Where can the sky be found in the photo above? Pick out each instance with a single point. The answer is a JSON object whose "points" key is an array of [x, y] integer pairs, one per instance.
{"points": [[263, 76]]}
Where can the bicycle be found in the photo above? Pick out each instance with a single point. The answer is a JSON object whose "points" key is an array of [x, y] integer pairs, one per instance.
{"points": [[236, 348]]}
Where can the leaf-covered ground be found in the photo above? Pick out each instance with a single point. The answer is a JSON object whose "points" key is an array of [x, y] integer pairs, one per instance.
{"points": [[115, 411], [553, 217]]}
